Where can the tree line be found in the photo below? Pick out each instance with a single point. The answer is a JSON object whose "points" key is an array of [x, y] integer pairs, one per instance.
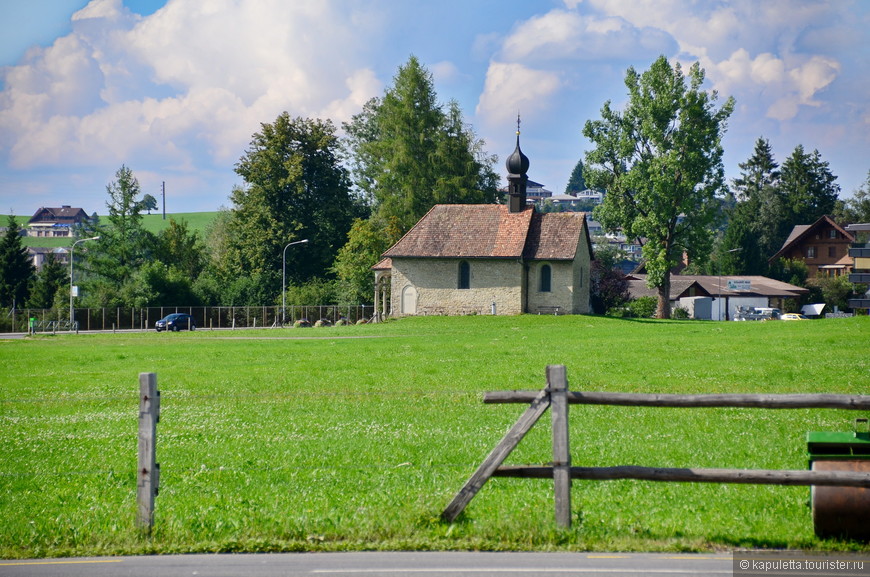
{"points": [[353, 195]]}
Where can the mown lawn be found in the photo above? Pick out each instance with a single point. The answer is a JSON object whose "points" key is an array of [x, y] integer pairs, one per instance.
{"points": [[358, 437]]}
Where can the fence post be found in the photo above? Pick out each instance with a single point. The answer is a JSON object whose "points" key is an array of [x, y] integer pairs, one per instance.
{"points": [[148, 470], [557, 383]]}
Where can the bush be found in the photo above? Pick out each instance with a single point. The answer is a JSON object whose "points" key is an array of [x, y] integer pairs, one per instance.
{"points": [[680, 313], [643, 307]]}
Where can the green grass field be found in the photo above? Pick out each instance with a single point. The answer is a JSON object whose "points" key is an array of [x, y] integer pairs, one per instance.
{"points": [[357, 437]]}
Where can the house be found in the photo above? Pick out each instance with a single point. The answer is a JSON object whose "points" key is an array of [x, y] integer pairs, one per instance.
{"points": [[56, 222], [535, 192], [488, 259], [823, 246], [38, 254], [590, 195], [860, 253], [726, 293]]}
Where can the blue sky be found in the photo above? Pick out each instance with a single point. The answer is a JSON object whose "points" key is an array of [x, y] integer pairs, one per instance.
{"points": [[175, 89]]}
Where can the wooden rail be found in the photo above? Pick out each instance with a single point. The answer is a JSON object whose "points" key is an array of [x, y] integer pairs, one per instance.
{"points": [[557, 396], [808, 401]]}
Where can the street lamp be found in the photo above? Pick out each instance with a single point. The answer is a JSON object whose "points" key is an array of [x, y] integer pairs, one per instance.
{"points": [[720, 284], [284, 277], [71, 252]]}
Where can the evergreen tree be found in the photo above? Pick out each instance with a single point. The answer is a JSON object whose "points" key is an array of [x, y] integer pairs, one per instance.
{"points": [[809, 188], [576, 183], [48, 283], [124, 245], [408, 154], [16, 270], [661, 163], [755, 221]]}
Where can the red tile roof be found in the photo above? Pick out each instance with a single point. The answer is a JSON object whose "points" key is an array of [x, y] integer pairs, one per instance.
{"points": [[491, 231]]}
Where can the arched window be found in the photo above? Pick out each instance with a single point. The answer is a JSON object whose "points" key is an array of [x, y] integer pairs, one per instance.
{"points": [[546, 279], [464, 275]]}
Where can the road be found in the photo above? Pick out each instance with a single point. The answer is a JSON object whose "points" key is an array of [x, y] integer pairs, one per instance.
{"points": [[379, 564]]}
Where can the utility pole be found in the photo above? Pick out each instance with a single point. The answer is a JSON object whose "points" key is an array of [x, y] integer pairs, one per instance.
{"points": [[163, 189]]}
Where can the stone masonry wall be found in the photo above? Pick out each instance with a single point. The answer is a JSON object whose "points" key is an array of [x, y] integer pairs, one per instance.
{"points": [[436, 282]]}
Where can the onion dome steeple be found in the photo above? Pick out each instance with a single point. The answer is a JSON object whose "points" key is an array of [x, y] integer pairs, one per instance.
{"points": [[517, 163], [517, 166]]}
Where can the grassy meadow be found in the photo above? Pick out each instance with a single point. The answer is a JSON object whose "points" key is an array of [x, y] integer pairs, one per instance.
{"points": [[352, 438]]}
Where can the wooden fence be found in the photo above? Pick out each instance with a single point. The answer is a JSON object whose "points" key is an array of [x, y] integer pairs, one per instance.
{"points": [[556, 396]]}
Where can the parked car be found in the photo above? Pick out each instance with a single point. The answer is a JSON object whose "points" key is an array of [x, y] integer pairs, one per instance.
{"points": [[757, 314], [175, 322], [793, 317]]}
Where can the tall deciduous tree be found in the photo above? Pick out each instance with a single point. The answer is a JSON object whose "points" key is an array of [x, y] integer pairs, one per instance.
{"points": [[16, 269], [149, 203], [408, 154], [295, 188], [660, 161], [366, 241]]}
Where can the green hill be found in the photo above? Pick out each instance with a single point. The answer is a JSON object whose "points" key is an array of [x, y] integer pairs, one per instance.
{"points": [[196, 221]]}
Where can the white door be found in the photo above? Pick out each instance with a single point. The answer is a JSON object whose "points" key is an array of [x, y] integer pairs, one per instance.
{"points": [[409, 300]]}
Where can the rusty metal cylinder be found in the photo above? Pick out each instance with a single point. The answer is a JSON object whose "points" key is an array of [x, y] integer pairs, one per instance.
{"points": [[841, 511]]}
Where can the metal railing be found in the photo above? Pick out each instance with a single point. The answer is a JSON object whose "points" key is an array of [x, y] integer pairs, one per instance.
{"points": [[132, 318]]}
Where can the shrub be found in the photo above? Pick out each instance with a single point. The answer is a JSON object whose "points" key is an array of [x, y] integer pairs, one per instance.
{"points": [[643, 307], [680, 313]]}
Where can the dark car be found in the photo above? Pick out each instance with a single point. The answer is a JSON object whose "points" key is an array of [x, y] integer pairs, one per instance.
{"points": [[175, 322]]}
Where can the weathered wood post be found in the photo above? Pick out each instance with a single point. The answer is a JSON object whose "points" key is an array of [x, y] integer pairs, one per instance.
{"points": [[557, 384], [149, 470]]}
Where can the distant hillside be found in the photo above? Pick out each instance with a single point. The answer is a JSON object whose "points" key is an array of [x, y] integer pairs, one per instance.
{"points": [[196, 221]]}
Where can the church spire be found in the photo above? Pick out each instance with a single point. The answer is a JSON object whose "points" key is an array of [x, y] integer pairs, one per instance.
{"points": [[517, 166]]}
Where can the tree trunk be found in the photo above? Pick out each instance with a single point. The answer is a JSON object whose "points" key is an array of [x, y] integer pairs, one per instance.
{"points": [[663, 310]]}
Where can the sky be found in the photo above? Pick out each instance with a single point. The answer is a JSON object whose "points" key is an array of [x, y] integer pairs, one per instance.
{"points": [[175, 89]]}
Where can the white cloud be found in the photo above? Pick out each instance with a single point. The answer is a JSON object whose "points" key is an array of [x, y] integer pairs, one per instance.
{"points": [[109, 9], [562, 35], [193, 75], [512, 88]]}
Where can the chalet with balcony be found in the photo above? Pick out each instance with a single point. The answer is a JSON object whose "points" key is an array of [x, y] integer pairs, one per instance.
{"points": [[56, 222], [823, 246]]}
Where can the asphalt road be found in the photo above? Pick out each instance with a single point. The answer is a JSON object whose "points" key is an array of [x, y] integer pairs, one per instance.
{"points": [[378, 564]]}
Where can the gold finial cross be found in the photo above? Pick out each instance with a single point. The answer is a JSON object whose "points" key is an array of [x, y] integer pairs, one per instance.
{"points": [[518, 123]]}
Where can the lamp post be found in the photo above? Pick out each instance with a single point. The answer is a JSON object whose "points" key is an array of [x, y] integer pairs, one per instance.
{"points": [[72, 319], [284, 277], [720, 284]]}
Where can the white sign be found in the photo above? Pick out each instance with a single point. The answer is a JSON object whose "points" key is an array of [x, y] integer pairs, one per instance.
{"points": [[75, 290], [739, 285]]}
